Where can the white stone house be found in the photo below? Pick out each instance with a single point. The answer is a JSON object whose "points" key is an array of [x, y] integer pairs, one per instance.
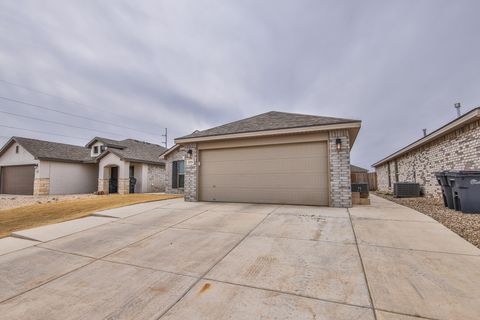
{"points": [[275, 157], [30, 166], [454, 146]]}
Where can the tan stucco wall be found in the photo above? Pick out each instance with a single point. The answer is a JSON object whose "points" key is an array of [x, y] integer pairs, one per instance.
{"points": [[113, 160], [96, 144], [10, 158]]}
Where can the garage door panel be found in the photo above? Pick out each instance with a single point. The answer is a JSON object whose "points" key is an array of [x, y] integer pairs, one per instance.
{"points": [[256, 181], [265, 152], [291, 165], [293, 173], [268, 195], [17, 180]]}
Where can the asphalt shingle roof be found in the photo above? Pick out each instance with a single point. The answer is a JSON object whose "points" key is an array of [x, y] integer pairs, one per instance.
{"points": [[132, 150], [139, 151], [357, 169], [269, 121], [41, 149]]}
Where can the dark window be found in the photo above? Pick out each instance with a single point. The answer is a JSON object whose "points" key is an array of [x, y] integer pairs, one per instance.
{"points": [[178, 174], [17, 149], [102, 148], [95, 149], [389, 175], [396, 171]]}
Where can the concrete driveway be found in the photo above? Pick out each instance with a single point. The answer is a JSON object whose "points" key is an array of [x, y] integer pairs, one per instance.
{"points": [[180, 260]]}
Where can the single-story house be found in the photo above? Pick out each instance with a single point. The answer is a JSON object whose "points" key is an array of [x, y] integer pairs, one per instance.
{"points": [[454, 146], [30, 166], [275, 157]]}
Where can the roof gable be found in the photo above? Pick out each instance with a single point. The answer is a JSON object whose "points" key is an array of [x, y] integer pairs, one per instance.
{"points": [[108, 142], [137, 151], [47, 150], [272, 120]]}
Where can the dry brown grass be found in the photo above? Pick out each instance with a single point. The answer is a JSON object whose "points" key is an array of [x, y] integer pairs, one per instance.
{"points": [[47, 213]]}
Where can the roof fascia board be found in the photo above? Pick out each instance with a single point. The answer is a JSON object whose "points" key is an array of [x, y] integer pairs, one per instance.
{"points": [[348, 125], [452, 126], [167, 152]]}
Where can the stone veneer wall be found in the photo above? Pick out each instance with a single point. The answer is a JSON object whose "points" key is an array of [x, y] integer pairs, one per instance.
{"points": [[103, 185], [123, 186], [459, 150], [155, 178], [340, 183], [178, 154], [41, 186]]}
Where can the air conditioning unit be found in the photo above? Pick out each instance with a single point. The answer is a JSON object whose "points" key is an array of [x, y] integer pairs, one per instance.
{"points": [[406, 190]]}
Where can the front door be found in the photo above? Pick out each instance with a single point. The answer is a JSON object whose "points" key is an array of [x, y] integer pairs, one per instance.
{"points": [[113, 183]]}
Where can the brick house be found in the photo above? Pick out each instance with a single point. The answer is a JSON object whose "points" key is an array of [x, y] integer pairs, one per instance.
{"points": [[454, 146], [274, 157]]}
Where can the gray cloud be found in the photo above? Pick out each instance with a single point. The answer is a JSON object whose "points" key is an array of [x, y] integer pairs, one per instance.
{"points": [[397, 65]]}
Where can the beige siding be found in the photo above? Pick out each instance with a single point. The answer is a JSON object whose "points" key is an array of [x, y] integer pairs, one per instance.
{"points": [[294, 173]]}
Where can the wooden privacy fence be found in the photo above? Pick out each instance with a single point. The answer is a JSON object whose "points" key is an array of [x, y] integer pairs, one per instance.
{"points": [[369, 178]]}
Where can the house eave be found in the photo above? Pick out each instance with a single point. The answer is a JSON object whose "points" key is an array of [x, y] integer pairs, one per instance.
{"points": [[354, 127], [467, 118]]}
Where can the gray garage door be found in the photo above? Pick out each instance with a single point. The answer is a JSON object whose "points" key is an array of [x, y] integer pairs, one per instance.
{"points": [[17, 180], [287, 173]]}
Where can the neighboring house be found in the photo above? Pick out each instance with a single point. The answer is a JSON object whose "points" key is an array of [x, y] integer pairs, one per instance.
{"points": [[274, 157], [455, 146], [175, 169], [30, 166]]}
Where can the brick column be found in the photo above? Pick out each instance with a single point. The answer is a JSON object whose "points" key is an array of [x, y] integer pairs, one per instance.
{"points": [[340, 183], [191, 173]]}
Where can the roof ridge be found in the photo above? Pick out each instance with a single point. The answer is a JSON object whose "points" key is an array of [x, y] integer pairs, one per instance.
{"points": [[60, 143]]}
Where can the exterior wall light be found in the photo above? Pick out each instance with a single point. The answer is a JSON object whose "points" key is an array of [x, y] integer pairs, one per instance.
{"points": [[189, 154], [338, 143]]}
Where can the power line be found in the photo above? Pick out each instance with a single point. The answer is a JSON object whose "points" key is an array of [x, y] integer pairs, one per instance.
{"points": [[73, 115], [45, 93], [58, 123], [45, 132]]}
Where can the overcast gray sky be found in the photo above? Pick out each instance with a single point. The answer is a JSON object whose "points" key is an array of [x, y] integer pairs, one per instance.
{"points": [[399, 66]]}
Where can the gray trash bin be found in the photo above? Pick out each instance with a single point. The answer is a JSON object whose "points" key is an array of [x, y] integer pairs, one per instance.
{"points": [[466, 190], [446, 189]]}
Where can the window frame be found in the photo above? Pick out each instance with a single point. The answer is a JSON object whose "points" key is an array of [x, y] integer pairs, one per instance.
{"points": [[95, 149], [178, 176]]}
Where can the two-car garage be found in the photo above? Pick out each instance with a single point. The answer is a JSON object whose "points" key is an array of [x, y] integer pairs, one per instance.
{"points": [[17, 179], [294, 173], [273, 157]]}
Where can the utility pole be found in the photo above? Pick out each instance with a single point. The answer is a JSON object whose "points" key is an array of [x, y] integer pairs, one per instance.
{"points": [[166, 138]]}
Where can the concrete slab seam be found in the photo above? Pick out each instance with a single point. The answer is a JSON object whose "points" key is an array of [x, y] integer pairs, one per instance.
{"points": [[214, 265], [363, 266]]}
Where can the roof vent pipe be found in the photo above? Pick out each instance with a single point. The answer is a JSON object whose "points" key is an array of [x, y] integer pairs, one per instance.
{"points": [[424, 132], [458, 106]]}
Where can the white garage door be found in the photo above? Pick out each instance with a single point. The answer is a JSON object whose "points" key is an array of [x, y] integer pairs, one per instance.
{"points": [[288, 173]]}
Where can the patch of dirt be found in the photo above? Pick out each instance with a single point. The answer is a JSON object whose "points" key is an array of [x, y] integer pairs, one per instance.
{"points": [[8, 201], [466, 225]]}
